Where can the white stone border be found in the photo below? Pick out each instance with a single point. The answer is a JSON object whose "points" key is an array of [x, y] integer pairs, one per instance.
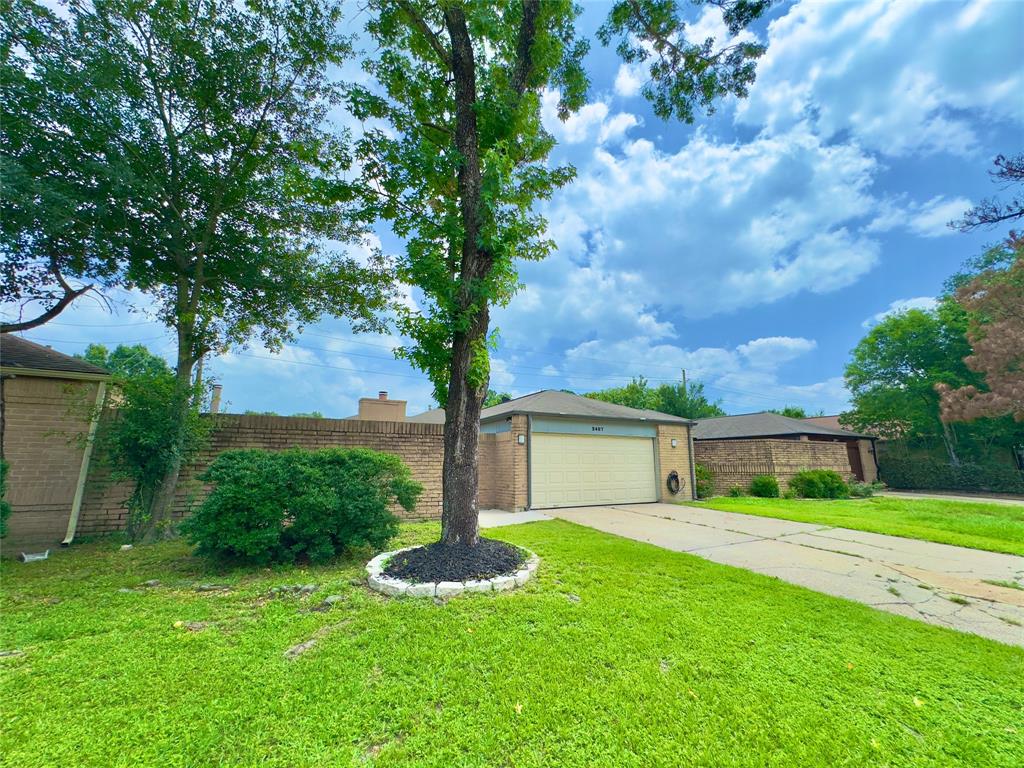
{"points": [[399, 587]]}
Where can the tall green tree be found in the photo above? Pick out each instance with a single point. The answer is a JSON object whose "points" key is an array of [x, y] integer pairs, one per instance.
{"points": [[893, 372], [125, 360], [464, 161], [206, 122]]}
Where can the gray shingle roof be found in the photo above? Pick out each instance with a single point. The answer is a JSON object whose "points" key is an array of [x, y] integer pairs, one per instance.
{"points": [[16, 352], [553, 402], [761, 425]]}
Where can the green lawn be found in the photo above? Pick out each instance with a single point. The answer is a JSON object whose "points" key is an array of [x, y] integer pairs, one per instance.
{"points": [[995, 527], [618, 654]]}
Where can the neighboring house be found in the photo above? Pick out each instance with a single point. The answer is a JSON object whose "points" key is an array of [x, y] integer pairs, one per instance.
{"points": [[737, 448], [556, 449], [48, 401]]}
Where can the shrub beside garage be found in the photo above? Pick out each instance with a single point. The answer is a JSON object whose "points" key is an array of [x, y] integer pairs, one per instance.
{"points": [[279, 507]]}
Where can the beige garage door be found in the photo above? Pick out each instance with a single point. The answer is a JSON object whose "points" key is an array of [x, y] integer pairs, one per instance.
{"points": [[577, 470]]}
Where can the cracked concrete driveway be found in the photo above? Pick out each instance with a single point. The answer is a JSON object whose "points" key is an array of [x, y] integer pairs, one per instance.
{"points": [[936, 583]]}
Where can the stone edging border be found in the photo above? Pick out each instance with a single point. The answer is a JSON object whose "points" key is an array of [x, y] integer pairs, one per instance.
{"points": [[399, 587]]}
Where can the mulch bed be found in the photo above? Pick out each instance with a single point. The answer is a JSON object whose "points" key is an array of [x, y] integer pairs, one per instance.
{"points": [[456, 562]]}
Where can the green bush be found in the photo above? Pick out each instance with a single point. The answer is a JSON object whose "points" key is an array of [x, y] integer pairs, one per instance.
{"points": [[915, 473], [5, 506], [819, 484], [268, 507], [765, 486], [859, 490], [705, 481], [736, 491]]}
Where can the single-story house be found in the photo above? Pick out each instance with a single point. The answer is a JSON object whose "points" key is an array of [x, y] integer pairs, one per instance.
{"points": [[738, 448], [50, 402], [557, 449]]}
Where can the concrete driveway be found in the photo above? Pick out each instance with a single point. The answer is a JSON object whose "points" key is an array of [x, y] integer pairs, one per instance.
{"points": [[936, 583]]}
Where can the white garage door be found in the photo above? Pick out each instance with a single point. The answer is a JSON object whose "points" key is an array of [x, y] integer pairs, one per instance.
{"points": [[577, 470]]}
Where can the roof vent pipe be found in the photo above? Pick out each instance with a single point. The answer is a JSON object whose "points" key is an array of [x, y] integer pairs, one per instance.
{"points": [[215, 398]]}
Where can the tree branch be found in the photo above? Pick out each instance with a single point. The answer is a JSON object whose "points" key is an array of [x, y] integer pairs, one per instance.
{"points": [[70, 294], [524, 45], [425, 30]]}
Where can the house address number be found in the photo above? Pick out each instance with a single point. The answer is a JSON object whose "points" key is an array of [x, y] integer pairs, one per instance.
{"points": [[597, 429]]}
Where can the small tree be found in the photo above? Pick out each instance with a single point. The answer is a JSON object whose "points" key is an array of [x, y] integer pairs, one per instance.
{"points": [[145, 436], [1009, 171]]}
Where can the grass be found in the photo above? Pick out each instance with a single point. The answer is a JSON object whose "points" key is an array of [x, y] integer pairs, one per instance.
{"points": [[994, 527], [618, 654]]}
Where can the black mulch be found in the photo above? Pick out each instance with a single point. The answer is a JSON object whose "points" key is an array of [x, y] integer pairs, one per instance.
{"points": [[456, 562]]}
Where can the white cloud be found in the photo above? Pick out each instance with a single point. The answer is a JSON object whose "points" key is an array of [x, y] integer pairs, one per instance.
{"points": [[773, 351], [711, 228], [591, 120], [629, 80], [928, 219], [897, 76], [899, 306]]}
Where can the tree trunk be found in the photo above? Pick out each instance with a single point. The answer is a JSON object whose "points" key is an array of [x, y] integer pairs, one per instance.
{"points": [[948, 439], [459, 513], [157, 525]]}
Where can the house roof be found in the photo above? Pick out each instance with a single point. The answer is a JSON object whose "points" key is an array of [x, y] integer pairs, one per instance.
{"points": [[762, 425], [17, 354], [553, 402]]}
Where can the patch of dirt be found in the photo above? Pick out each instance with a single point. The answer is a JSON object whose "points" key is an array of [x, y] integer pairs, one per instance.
{"points": [[456, 562]]}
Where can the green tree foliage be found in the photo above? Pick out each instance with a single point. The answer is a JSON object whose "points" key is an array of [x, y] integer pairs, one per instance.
{"points": [[276, 507], [146, 436], [496, 398], [126, 361], [58, 212], [463, 162], [5, 506], [792, 411], [894, 369], [688, 401], [203, 125]]}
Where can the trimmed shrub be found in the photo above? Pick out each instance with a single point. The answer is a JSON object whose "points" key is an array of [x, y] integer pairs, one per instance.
{"points": [[5, 506], [764, 486], [736, 491], [859, 490], [277, 507], [819, 484], [705, 485], [914, 473]]}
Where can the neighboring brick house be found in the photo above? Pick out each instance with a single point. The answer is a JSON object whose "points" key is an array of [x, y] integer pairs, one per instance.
{"points": [[738, 448], [47, 400]]}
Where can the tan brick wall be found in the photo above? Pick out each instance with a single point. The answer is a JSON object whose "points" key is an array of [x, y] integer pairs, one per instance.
{"points": [[670, 459], [737, 462], [505, 470], [420, 446], [44, 421]]}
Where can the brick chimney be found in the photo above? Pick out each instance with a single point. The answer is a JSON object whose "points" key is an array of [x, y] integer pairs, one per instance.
{"points": [[381, 408]]}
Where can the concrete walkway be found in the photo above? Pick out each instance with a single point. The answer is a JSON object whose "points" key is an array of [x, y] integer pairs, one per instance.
{"points": [[936, 583]]}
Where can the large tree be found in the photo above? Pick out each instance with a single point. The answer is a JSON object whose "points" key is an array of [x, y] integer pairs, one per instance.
{"points": [[209, 124], [463, 161], [894, 369]]}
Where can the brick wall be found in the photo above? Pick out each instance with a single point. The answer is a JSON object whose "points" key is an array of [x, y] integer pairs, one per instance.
{"points": [[737, 462], [420, 446], [677, 459], [43, 420]]}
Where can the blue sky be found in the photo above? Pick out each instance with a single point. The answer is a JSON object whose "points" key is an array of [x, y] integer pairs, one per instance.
{"points": [[753, 248]]}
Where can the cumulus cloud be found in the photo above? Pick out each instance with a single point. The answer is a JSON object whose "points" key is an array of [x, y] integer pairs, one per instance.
{"points": [[629, 80], [896, 76], [927, 303], [714, 227], [593, 121]]}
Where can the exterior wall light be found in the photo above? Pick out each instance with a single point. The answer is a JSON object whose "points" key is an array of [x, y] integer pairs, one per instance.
{"points": [[521, 439], [674, 442]]}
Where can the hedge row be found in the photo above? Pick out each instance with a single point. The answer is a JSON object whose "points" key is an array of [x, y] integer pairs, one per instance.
{"points": [[924, 474]]}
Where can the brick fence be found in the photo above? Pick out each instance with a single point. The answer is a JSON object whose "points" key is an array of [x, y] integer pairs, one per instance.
{"points": [[737, 462], [420, 446]]}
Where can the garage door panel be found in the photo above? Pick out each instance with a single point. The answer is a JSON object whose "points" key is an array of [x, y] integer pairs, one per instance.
{"points": [[573, 470]]}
